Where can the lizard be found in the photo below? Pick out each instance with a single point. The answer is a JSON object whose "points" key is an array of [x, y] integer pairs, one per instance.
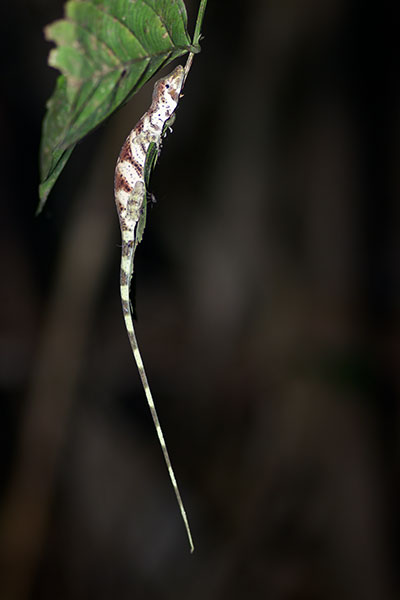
{"points": [[135, 162]]}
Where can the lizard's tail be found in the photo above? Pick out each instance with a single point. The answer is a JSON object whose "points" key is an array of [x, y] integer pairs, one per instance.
{"points": [[126, 307]]}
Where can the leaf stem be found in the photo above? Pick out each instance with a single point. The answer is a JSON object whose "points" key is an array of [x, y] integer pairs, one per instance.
{"points": [[196, 35], [199, 21]]}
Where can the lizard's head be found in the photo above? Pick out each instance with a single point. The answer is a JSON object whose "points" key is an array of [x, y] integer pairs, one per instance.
{"points": [[167, 89]]}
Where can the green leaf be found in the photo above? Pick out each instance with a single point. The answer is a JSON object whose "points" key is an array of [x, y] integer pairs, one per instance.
{"points": [[106, 51]]}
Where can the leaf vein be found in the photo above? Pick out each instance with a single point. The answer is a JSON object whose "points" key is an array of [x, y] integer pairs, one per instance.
{"points": [[100, 9], [84, 51], [160, 18]]}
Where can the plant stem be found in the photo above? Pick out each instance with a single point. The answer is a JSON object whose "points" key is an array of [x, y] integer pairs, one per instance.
{"points": [[199, 21], [196, 35]]}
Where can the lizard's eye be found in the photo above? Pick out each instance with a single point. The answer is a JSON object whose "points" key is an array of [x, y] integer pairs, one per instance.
{"points": [[167, 86]]}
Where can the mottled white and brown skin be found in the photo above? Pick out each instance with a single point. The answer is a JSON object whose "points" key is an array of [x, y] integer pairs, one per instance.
{"points": [[130, 191]]}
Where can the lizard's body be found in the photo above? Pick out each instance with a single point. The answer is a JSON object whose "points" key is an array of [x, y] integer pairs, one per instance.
{"points": [[130, 197]]}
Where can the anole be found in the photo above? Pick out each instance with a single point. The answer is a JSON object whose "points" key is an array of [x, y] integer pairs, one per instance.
{"points": [[135, 161]]}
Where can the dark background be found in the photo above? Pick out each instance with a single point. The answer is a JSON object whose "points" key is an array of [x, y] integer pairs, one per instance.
{"points": [[267, 294]]}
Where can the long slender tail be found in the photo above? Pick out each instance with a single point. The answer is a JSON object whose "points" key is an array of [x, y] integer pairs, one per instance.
{"points": [[126, 307]]}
